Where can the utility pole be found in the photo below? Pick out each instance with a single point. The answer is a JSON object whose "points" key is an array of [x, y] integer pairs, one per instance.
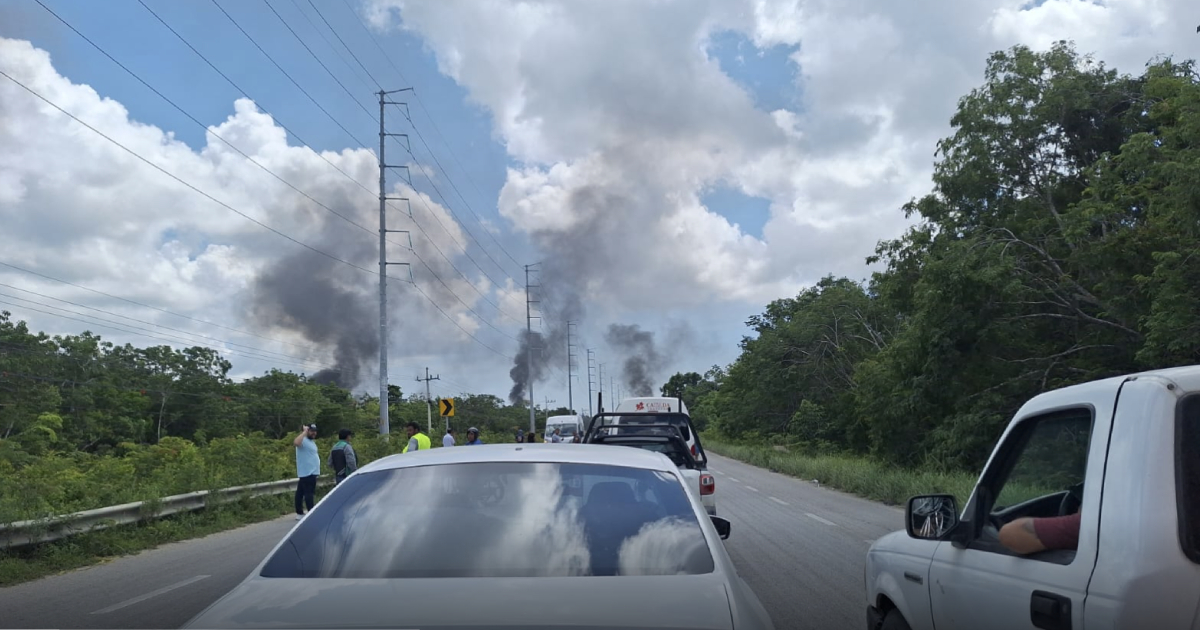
{"points": [[384, 427], [570, 363], [429, 400], [591, 358], [600, 382], [529, 346]]}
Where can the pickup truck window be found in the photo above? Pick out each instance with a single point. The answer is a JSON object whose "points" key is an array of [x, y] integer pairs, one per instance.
{"points": [[1052, 460], [1038, 474], [1187, 483]]}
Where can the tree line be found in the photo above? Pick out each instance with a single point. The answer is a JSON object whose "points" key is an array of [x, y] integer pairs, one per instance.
{"points": [[1058, 245], [82, 393]]}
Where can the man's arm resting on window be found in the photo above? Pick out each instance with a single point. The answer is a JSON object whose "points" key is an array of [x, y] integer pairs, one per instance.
{"points": [[1021, 537]]}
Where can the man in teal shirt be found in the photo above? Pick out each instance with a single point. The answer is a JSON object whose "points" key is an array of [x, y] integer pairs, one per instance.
{"points": [[308, 467]]}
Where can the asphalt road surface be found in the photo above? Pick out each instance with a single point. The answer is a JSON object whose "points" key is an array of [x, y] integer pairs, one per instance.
{"points": [[799, 546]]}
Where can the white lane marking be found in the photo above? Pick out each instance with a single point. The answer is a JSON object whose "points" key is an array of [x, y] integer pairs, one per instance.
{"points": [[779, 501], [819, 519], [142, 598], [752, 488], [734, 480]]}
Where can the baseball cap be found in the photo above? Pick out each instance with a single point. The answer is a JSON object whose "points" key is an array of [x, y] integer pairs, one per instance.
{"points": [[312, 427]]}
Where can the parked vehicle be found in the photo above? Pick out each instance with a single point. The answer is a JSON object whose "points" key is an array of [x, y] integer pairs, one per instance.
{"points": [[671, 410], [665, 439], [484, 537], [568, 426], [1124, 454], [655, 431]]}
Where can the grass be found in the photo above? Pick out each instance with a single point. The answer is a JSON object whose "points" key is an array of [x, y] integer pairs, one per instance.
{"points": [[856, 475], [81, 550]]}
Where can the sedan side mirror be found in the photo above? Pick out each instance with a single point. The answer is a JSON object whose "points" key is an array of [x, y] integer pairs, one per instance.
{"points": [[722, 526], [931, 516]]}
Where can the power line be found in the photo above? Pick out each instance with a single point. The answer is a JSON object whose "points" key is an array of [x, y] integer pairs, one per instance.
{"points": [[121, 327], [341, 57], [229, 207], [436, 130], [285, 73], [348, 176], [322, 64], [279, 355], [445, 202], [409, 151], [202, 125], [358, 183], [161, 310], [181, 181]]}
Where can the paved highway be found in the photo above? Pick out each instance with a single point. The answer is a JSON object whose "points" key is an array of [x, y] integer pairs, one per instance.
{"points": [[799, 546]]}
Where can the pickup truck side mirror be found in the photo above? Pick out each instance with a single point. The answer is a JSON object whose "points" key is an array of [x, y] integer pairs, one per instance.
{"points": [[931, 516], [722, 526]]}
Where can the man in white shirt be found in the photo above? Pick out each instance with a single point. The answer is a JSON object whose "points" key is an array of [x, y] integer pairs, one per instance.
{"points": [[448, 439], [555, 437]]}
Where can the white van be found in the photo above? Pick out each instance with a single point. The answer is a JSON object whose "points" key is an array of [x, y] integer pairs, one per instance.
{"points": [[653, 405], [568, 427]]}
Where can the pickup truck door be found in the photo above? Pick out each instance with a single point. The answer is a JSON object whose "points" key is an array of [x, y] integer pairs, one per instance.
{"points": [[982, 585]]}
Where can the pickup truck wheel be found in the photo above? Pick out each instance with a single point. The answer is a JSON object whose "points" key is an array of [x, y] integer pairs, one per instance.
{"points": [[894, 621]]}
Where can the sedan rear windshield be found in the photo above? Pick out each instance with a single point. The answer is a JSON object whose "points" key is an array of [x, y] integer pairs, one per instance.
{"points": [[498, 519]]}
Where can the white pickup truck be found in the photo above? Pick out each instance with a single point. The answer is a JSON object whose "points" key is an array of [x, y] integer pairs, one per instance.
{"points": [[1124, 454]]}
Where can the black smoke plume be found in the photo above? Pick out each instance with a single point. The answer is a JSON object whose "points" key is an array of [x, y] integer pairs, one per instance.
{"points": [[642, 360], [302, 293], [554, 288]]}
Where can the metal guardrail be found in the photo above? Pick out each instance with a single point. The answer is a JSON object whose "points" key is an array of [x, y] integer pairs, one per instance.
{"points": [[52, 528]]}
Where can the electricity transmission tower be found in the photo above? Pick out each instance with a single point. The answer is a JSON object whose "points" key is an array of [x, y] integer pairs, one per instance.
{"points": [[384, 427], [570, 365], [529, 317], [591, 358]]}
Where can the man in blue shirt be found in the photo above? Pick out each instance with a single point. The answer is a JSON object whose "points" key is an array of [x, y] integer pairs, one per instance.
{"points": [[308, 467]]}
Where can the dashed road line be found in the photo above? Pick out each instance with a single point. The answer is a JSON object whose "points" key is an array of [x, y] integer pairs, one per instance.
{"points": [[142, 598], [734, 480], [752, 488], [779, 501], [819, 519]]}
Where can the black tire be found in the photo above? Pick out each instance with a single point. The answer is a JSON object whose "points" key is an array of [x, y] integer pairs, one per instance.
{"points": [[893, 620]]}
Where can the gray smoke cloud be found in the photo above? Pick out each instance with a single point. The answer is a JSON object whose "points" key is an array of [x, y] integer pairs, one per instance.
{"points": [[557, 290], [642, 361], [305, 293]]}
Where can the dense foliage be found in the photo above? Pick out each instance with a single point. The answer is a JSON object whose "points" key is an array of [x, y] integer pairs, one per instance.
{"points": [[1058, 245], [85, 423]]}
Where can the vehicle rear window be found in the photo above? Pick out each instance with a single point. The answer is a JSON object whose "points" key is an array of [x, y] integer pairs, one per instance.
{"points": [[1187, 482], [501, 519], [673, 449]]}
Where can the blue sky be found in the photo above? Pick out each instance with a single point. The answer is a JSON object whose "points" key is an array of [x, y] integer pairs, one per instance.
{"points": [[460, 132], [581, 133]]}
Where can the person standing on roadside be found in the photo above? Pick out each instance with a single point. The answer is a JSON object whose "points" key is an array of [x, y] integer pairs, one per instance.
{"points": [[417, 440], [308, 467], [473, 437], [448, 439], [520, 435], [342, 459]]}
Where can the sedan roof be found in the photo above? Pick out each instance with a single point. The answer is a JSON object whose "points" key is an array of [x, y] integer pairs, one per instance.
{"points": [[551, 453]]}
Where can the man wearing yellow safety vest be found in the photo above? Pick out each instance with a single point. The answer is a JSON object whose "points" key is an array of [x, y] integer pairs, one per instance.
{"points": [[417, 440]]}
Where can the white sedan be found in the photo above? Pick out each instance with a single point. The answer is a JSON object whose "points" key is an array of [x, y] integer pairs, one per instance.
{"points": [[485, 537]]}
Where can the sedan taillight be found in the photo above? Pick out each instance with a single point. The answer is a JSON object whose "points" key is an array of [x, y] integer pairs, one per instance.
{"points": [[708, 484]]}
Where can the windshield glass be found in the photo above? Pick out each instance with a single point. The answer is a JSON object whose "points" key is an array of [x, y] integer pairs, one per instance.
{"points": [[628, 423], [498, 520]]}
